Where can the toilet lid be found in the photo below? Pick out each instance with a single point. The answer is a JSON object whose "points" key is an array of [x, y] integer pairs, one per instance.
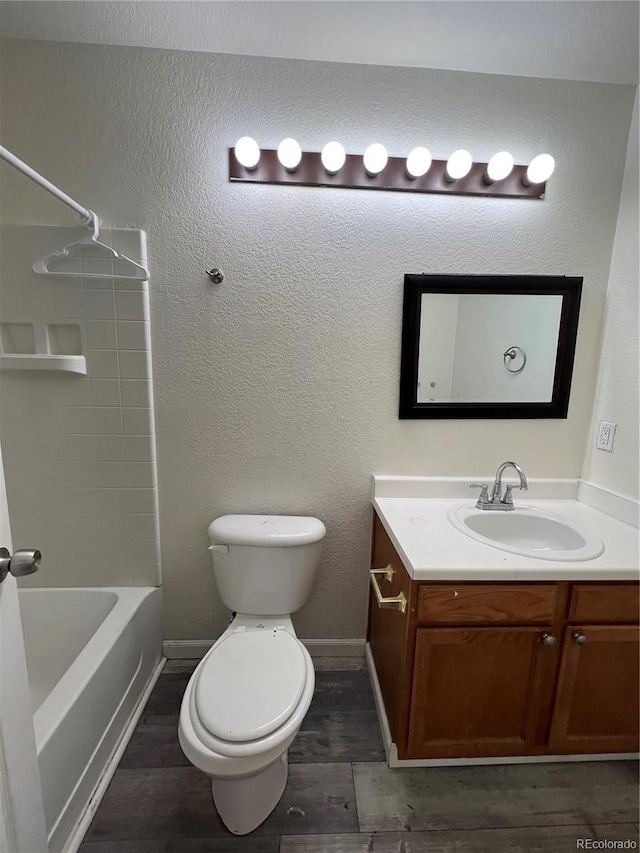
{"points": [[250, 684]]}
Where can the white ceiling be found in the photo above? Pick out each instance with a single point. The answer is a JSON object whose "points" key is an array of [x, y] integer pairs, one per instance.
{"points": [[565, 39]]}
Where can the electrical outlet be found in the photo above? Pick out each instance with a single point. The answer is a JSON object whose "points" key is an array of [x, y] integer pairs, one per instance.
{"points": [[606, 434]]}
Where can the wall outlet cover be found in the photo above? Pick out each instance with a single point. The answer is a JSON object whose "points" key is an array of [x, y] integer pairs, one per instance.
{"points": [[606, 434]]}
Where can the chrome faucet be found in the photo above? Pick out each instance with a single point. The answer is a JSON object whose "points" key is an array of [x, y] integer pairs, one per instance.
{"points": [[497, 501]]}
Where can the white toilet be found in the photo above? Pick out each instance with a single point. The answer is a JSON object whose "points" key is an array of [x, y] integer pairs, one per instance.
{"points": [[247, 698]]}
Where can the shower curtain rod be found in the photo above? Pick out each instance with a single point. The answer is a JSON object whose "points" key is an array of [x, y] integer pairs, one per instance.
{"points": [[88, 217]]}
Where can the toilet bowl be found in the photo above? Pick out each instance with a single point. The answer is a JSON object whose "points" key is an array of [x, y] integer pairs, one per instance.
{"points": [[247, 698], [241, 710]]}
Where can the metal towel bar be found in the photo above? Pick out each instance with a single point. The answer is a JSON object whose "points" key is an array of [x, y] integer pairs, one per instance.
{"points": [[395, 602]]}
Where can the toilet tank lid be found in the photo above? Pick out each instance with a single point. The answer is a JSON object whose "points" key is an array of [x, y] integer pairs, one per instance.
{"points": [[269, 530]]}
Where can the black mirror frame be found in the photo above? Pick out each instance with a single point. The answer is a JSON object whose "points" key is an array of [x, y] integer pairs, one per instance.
{"points": [[569, 287]]}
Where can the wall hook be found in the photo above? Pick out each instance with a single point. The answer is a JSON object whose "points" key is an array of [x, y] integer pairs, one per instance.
{"points": [[216, 275]]}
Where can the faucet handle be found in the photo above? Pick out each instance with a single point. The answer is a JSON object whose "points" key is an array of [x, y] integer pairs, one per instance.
{"points": [[508, 497], [483, 500]]}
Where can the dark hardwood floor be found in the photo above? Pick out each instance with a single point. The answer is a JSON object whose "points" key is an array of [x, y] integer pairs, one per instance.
{"points": [[342, 798]]}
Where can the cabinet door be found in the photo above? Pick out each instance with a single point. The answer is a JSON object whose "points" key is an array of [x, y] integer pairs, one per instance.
{"points": [[596, 708], [480, 692]]}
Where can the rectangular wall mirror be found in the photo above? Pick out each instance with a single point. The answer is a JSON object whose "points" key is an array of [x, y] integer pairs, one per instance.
{"points": [[488, 346]]}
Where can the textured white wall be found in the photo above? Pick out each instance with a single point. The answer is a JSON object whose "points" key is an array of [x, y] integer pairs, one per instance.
{"points": [[619, 373], [278, 390]]}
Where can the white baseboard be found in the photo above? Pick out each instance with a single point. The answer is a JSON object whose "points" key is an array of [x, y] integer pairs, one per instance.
{"points": [[394, 761], [186, 649], [335, 648], [383, 721], [197, 649]]}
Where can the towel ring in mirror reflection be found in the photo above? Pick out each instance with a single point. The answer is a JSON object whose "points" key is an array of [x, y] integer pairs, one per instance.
{"points": [[510, 355]]}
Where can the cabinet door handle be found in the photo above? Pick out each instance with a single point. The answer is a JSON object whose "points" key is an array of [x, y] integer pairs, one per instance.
{"points": [[579, 638], [394, 602], [548, 640]]}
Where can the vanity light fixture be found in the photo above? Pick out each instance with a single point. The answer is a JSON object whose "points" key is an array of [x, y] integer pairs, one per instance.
{"points": [[375, 159], [458, 165], [374, 169], [540, 170], [499, 167], [247, 152], [418, 163], [289, 154], [333, 157]]}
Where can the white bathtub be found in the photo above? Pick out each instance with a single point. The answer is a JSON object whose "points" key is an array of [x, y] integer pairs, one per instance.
{"points": [[90, 655]]}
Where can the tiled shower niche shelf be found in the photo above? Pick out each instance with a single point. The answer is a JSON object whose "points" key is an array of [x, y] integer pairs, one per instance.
{"points": [[25, 345], [36, 361]]}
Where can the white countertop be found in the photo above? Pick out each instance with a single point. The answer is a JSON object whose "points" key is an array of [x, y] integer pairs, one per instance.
{"points": [[431, 548]]}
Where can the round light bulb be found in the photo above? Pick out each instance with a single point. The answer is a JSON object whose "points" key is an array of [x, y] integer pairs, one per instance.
{"points": [[499, 167], [540, 169], [458, 165], [289, 154], [375, 158], [418, 162], [333, 157], [247, 152]]}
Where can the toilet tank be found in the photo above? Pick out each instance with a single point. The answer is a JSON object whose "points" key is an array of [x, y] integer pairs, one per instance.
{"points": [[265, 565]]}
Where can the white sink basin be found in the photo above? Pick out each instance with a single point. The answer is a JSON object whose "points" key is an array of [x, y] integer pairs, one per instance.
{"points": [[527, 531]]}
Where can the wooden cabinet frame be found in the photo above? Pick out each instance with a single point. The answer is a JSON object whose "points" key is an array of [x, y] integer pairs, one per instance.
{"points": [[450, 626]]}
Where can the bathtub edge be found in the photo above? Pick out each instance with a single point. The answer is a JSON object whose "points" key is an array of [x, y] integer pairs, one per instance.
{"points": [[84, 821]]}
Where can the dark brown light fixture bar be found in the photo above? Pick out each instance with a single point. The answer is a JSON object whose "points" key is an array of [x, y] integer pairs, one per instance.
{"points": [[311, 173]]}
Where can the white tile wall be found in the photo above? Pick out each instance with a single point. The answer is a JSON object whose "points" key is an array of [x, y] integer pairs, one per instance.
{"points": [[79, 452]]}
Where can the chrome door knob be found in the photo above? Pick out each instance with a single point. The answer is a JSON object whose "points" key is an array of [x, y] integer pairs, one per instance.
{"points": [[579, 638], [23, 562], [548, 640]]}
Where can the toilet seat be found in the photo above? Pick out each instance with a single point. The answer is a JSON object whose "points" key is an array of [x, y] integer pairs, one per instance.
{"points": [[248, 692], [250, 685]]}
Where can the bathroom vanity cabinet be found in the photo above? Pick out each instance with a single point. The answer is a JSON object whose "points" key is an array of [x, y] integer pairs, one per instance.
{"points": [[489, 669]]}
